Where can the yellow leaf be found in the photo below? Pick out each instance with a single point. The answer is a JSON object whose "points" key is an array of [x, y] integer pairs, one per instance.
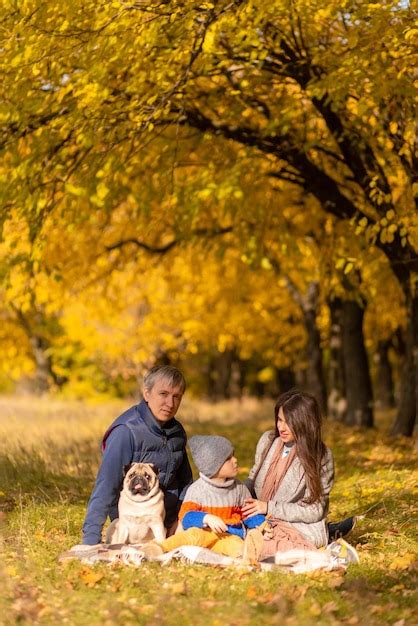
{"points": [[76, 191], [179, 588], [315, 609], [403, 562], [90, 577], [16, 60], [265, 263], [411, 34], [102, 191], [209, 42], [10, 570]]}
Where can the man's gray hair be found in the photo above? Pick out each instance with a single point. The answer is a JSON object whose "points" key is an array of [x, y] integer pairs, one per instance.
{"points": [[171, 375]]}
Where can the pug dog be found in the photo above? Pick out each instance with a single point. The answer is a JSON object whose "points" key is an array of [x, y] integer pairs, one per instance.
{"points": [[141, 507]]}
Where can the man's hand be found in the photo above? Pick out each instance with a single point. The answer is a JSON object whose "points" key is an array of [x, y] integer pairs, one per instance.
{"points": [[215, 523], [253, 507]]}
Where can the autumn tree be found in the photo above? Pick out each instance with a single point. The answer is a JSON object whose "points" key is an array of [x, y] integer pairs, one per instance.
{"points": [[316, 97]]}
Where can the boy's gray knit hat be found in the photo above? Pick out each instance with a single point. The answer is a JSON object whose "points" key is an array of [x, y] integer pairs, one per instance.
{"points": [[210, 452]]}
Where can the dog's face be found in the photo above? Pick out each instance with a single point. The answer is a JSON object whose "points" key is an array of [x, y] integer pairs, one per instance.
{"points": [[141, 480]]}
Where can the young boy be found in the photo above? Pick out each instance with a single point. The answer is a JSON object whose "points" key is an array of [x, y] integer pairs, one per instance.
{"points": [[211, 513]]}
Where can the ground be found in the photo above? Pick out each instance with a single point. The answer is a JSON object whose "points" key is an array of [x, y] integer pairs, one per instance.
{"points": [[49, 454]]}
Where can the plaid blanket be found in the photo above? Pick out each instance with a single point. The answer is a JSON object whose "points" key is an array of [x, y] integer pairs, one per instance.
{"points": [[296, 561]]}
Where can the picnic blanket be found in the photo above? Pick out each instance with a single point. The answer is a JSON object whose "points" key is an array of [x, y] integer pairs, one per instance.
{"points": [[296, 561]]}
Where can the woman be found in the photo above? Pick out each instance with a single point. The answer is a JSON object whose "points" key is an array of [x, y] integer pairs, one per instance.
{"points": [[292, 476]]}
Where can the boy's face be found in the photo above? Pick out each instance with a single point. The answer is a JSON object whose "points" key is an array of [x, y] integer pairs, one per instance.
{"points": [[229, 469]]}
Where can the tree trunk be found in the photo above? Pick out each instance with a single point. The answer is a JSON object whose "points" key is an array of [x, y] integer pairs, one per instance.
{"points": [[43, 365], [337, 399], [237, 376], [242, 377], [357, 375], [45, 376], [285, 379], [407, 408], [385, 397], [315, 372], [219, 375], [308, 303]]}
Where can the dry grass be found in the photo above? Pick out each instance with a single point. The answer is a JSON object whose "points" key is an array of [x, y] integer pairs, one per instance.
{"points": [[49, 453]]}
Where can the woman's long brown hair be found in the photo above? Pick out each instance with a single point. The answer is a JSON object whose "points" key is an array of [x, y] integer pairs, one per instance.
{"points": [[303, 416]]}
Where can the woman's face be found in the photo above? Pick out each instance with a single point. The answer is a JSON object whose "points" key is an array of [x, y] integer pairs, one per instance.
{"points": [[285, 433]]}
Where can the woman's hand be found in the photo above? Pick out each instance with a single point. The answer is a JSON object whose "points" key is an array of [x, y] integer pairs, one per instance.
{"points": [[253, 507], [215, 523]]}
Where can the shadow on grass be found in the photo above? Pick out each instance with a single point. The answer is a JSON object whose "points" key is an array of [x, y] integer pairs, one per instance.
{"points": [[57, 474]]}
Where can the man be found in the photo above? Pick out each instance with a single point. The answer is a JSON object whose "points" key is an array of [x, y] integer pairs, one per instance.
{"points": [[146, 433]]}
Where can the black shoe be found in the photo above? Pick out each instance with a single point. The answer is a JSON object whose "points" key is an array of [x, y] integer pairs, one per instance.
{"points": [[341, 529]]}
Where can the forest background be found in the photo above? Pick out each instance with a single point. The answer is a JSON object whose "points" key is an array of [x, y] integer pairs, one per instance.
{"points": [[224, 186], [227, 187]]}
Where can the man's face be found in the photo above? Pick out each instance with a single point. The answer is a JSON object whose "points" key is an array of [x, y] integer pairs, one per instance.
{"points": [[163, 400]]}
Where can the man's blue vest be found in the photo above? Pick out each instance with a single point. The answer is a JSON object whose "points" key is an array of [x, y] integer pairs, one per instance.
{"points": [[165, 447]]}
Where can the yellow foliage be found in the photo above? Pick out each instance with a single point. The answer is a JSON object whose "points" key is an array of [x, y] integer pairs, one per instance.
{"points": [[98, 153]]}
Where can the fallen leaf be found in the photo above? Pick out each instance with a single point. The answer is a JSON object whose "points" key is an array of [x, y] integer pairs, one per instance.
{"points": [[90, 577], [145, 609], [209, 604], [335, 582], [266, 598], [280, 602], [297, 593], [179, 588], [315, 609], [403, 562], [330, 607]]}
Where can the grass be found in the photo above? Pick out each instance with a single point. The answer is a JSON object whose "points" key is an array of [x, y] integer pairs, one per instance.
{"points": [[49, 454]]}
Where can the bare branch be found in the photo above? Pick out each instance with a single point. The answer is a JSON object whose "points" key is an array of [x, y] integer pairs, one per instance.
{"points": [[200, 232]]}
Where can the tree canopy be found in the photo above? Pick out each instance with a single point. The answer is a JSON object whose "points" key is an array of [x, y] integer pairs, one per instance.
{"points": [[196, 160]]}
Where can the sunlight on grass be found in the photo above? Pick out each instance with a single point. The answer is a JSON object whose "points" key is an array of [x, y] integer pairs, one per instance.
{"points": [[49, 453]]}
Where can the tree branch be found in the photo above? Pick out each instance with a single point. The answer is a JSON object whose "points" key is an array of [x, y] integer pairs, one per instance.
{"points": [[201, 232]]}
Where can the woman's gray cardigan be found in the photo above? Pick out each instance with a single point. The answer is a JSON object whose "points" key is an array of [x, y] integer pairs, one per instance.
{"points": [[287, 503]]}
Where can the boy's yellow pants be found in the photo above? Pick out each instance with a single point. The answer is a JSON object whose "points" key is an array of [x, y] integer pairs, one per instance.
{"points": [[228, 545]]}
